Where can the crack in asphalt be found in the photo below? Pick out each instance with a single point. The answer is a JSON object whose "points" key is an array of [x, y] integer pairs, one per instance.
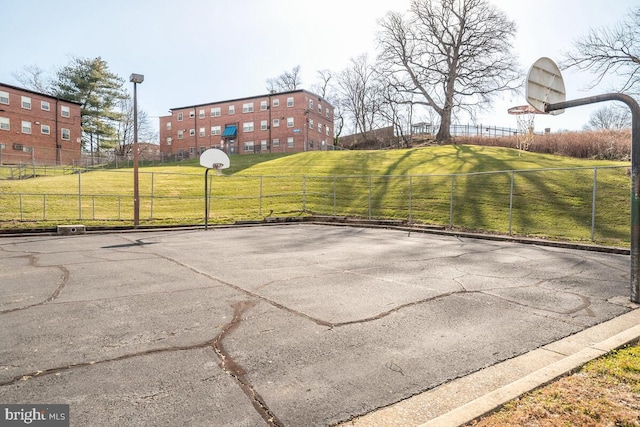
{"points": [[227, 363], [33, 262], [231, 367]]}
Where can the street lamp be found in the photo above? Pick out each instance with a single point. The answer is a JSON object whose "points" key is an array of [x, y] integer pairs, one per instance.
{"points": [[135, 79]]}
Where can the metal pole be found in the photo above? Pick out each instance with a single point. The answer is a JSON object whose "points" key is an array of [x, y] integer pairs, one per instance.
{"points": [[593, 204], [206, 197], [635, 175], [511, 203], [136, 196]]}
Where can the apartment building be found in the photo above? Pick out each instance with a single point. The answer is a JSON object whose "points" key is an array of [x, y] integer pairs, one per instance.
{"points": [[280, 122], [36, 128]]}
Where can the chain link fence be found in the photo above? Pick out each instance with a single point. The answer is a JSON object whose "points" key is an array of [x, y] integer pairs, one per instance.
{"points": [[575, 204]]}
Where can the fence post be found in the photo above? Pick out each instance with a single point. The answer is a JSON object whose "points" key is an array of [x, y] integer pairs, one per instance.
{"points": [[453, 180], [370, 189], [44, 207], [304, 193], [261, 186], [335, 179], [410, 199], [20, 206], [119, 207], [153, 174], [511, 203], [593, 204], [79, 194]]}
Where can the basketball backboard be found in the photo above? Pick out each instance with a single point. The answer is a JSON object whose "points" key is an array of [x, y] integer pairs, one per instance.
{"points": [[545, 85], [214, 159]]}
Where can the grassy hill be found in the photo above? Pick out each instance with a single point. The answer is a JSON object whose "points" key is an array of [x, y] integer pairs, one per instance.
{"points": [[414, 184]]}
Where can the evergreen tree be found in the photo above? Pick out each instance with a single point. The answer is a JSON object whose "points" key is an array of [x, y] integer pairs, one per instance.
{"points": [[90, 82]]}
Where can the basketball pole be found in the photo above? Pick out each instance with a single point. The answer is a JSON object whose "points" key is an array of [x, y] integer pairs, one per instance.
{"points": [[635, 174]]}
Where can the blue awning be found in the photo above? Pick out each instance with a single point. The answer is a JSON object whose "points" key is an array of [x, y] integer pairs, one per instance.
{"points": [[230, 131]]}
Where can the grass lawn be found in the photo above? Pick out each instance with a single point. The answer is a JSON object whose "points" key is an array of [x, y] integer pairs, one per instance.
{"points": [[605, 392], [468, 187]]}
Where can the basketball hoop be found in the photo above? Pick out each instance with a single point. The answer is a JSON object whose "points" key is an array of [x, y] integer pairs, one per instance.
{"points": [[525, 115], [218, 167]]}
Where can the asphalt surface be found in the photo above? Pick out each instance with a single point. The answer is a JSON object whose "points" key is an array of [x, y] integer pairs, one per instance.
{"points": [[291, 325]]}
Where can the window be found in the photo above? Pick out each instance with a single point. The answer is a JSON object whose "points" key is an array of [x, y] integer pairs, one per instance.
{"points": [[290, 101], [44, 105], [180, 117], [276, 142], [247, 108], [192, 150], [263, 145], [201, 114], [215, 130], [248, 146], [247, 127], [319, 127], [45, 129], [310, 104], [192, 114], [180, 134], [26, 103], [327, 114], [326, 129], [169, 140], [202, 132], [192, 132], [215, 111], [4, 97], [168, 125], [290, 142], [65, 134], [311, 124], [18, 147], [275, 102], [4, 123], [232, 109], [26, 127], [264, 125], [276, 123], [289, 122], [263, 105], [65, 111], [319, 108]]}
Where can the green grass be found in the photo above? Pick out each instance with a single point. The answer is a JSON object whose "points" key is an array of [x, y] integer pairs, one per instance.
{"points": [[416, 184]]}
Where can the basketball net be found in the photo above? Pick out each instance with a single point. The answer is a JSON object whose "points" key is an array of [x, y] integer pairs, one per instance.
{"points": [[525, 116], [217, 167]]}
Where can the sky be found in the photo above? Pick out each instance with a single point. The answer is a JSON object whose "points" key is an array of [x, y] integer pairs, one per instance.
{"points": [[200, 51]]}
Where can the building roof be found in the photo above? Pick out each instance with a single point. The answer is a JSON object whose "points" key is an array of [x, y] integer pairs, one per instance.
{"points": [[38, 93], [252, 97]]}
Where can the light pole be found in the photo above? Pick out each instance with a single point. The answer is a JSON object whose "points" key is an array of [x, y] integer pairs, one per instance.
{"points": [[135, 79]]}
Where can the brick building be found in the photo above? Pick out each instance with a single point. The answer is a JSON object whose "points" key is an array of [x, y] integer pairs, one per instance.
{"points": [[38, 128], [280, 122]]}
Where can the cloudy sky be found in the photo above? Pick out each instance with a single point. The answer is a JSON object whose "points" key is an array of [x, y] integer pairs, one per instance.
{"points": [[198, 51]]}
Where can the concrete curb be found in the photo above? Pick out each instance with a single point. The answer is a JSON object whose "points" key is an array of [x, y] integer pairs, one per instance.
{"points": [[490, 401]]}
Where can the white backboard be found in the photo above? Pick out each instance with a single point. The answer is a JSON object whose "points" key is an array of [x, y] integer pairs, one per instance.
{"points": [[545, 85], [214, 157]]}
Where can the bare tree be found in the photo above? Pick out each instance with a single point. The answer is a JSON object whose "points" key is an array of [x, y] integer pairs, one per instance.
{"points": [[124, 131], [359, 95], [35, 78], [323, 87], [610, 51], [611, 117], [287, 81], [450, 54]]}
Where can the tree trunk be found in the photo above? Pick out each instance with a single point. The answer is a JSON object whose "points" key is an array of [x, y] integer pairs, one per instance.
{"points": [[444, 133]]}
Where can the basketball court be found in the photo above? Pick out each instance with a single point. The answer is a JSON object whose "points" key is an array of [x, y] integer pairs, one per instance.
{"points": [[299, 324]]}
